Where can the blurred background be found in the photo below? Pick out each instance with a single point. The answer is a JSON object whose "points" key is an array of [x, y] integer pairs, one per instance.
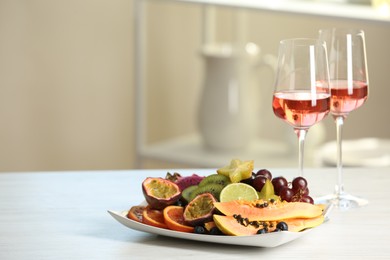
{"points": [[68, 93]]}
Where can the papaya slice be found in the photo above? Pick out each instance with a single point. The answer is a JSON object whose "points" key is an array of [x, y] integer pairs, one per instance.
{"points": [[230, 226], [272, 212], [299, 224]]}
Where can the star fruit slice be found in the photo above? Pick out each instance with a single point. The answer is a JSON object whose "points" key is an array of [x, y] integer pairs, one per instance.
{"points": [[237, 170]]}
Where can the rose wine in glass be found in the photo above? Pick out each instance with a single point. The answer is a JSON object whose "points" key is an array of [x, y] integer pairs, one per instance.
{"points": [[343, 100], [301, 96], [349, 90]]}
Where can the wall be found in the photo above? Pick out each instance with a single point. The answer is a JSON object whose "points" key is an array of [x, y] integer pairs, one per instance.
{"points": [[66, 79], [65, 85], [171, 111]]}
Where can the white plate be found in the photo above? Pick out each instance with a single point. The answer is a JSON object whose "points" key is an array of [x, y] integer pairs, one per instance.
{"points": [[264, 240], [367, 152]]}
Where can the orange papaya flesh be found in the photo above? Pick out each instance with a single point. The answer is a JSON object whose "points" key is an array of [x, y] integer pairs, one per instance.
{"points": [[299, 224], [272, 212], [230, 226], [209, 225]]}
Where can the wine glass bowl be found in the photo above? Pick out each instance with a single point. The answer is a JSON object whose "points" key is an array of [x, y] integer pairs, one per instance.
{"points": [[347, 69], [349, 91], [299, 109], [343, 101], [301, 95]]}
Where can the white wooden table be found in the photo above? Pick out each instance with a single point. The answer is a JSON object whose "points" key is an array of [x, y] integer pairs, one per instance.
{"points": [[63, 215]]}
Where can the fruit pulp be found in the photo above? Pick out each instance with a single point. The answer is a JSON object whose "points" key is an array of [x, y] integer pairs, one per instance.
{"points": [[160, 192], [301, 109], [153, 217], [135, 213], [238, 191], [344, 99], [160, 189], [174, 219], [200, 209]]}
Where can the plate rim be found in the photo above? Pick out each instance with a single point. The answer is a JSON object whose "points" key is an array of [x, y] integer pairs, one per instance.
{"points": [[263, 240]]}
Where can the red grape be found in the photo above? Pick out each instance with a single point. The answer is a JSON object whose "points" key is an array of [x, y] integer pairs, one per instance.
{"points": [[258, 182], [249, 180], [286, 194], [307, 199], [279, 183], [264, 172], [300, 192], [299, 183], [305, 192], [299, 195]]}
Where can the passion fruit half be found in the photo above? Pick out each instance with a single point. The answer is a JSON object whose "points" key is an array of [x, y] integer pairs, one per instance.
{"points": [[200, 209], [160, 193]]}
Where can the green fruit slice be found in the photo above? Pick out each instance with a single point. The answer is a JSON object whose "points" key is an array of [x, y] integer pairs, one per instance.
{"points": [[187, 193], [237, 170], [214, 189], [238, 191], [215, 179], [268, 192]]}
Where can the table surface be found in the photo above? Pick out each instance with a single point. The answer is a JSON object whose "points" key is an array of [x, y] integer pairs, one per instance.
{"points": [[63, 215]]}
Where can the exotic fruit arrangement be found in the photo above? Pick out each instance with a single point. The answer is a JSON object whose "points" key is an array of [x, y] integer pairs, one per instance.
{"points": [[233, 201]]}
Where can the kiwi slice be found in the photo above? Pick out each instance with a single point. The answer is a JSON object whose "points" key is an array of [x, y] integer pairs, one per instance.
{"points": [[215, 179], [186, 194], [213, 188]]}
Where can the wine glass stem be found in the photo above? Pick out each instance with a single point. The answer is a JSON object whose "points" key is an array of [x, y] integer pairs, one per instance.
{"points": [[339, 126], [301, 133]]}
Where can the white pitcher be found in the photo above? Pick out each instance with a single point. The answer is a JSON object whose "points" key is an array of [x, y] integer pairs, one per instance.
{"points": [[229, 108]]}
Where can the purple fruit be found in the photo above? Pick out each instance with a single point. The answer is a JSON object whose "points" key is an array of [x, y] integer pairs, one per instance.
{"points": [[249, 180], [307, 199], [286, 194], [259, 182], [279, 183], [264, 172], [184, 182]]}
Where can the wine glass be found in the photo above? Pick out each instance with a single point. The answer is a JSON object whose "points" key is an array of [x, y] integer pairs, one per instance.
{"points": [[349, 90], [301, 95]]}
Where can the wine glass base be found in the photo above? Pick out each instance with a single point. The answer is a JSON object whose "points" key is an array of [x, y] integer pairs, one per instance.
{"points": [[343, 201]]}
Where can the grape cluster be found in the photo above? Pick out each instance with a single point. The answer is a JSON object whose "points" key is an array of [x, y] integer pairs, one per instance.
{"points": [[295, 191]]}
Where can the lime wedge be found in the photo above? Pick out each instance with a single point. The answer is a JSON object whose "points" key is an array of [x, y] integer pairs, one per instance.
{"points": [[238, 191]]}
